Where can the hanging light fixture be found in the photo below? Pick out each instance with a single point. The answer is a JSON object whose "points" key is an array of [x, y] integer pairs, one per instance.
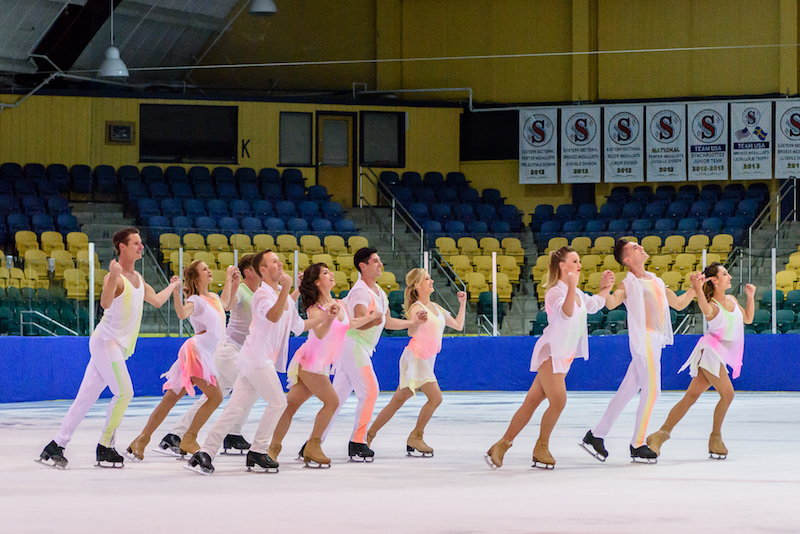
{"points": [[263, 7], [112, 66]]}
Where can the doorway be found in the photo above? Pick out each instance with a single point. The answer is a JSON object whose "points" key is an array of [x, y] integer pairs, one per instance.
{"points": [[336, 158]]}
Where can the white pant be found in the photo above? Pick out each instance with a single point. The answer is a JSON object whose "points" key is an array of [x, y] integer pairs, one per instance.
{"points": [[106, 369], [262, 382], [643, 377], [351, 377], [225, 360]]}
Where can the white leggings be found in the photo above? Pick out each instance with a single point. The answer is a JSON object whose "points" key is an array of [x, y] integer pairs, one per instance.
{"points": [[106, 369], [643, 377], [262, 382]]}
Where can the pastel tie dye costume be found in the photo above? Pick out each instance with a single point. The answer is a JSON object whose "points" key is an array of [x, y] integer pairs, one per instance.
{"points": [[564, 338], [419, 356], [318, 355], [196, 355], [722, 344]]}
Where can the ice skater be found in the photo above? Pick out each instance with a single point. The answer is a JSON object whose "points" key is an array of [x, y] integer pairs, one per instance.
{"points": [[195, 363], [722, 345], [112, 342], [563, 340], [419, 357], [225, 358], [647, 300]]}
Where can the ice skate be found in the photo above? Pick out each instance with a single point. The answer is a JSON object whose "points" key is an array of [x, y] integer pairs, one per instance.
{"points": [[494, 457], [716, 449], [170, 446], [542, 457], [656, 439], [189, 443], [359, 452], [53, 454], [235, 442], [414, 443], [260, 463], [135, 450], [594, 446], [312, 454], [274, 451], [200, 463], [370, 437], [109, 455], [643, 454], [301, 452]]}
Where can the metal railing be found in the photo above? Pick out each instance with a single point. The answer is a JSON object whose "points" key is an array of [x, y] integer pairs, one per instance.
{"points": [[771, 214], [50, 322]]}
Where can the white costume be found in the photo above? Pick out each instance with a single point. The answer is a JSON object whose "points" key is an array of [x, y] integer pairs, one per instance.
{"points": [[722, 344], [354, 371], [649, 331], [112, 342], [225, 359], [565, 338], [266, 347], [419, 356]]}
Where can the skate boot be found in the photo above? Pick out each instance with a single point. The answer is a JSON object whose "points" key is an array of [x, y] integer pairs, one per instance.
{"points": [[643, 454], [302, 451], [200, 462], [274, 451], [414, 443], [109, 455], [135, 450], [54, 454], [542, 457], [359, 452], [170, 445], [235, 442], [594, 446], [495, 455], [313, 453], [656, 439], [716, 449], [370, 437], [260, 463], [189, 443]]}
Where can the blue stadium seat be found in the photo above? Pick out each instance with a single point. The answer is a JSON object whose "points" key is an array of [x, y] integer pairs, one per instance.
{"points": [[159, 225], [8, 204], [67, 223], [432, 229], [151, 174], [227, 191], [411, 179], [318, 194], [293, 176], [194, 208], [748, 209], [469, 195], [565, 212], [332, 211], [240, 209], [441, 213], [689, 191], [47, 189], [59, 175], [81, 179], [573, 229], [619, 195], [456, 180], [222, 175], [724, 208], [677, 210], [217, 208], [272, 192], [609, 211], [249, 190], [447, 196], [16, 222], [171, 207], [486, 213], [42, 223], [34, 171], [11, 169], [712, 226], [549, 230], [464, 213], [419, 212], [664, 228], [688, 227], [501, 227], [308, 210], [700, 209], [455, 229], [182, 190], [262, 209], [665, 192], [294, 192], [493, 197], [594, 229], [175, 174], [642, 192], [128, 173], [478, 228], [322, 227], [297, 226], [587, 212], [641, 227], [421, 194], [734, 191], [403, 195], [285, 209], [183, 224], [134, 191], [205, 225], [274, 226], [228, 226], [158, 190], [433, 180], [33, 205], [252, 225], [631, 212], [105, 179], [246, 175], [148, 207], [345, 227], [199, 175], [654, 211], [618, 227]]}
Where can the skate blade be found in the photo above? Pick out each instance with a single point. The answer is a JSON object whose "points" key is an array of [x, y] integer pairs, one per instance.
{"points": [[716, 456], [592, 451], [489, 461], [47, 463], [238, 452], [419, 454], [362, 459], [311, 464], [167, 452], [542, 465], [132, 457], [199, 470], [110, 465], [637, 460], [258, 470]]}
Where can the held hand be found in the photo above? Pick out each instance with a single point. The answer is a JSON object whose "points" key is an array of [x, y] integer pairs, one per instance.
{"points": [[607, 279], [697, 279], [332, 312], [462, 297], [233, 274], [285, 282], [572, 280], [300, 277], [375, 317], [175, 281], [420, 317], [114, 269], [750, 290]]}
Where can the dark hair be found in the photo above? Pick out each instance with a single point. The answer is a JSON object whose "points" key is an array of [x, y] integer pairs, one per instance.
{"points": [[190, 277], [258, 259], [363, 255], [309, 291], [618, 250], [120, 237], [710, 272], [245, 262]]}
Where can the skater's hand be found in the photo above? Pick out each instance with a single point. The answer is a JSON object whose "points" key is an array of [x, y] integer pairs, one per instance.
{"points": [[419, 318], [462, 297], [375, 318], [750, 290], [233, 274], [607, 279], [285, 282], [572, 280], [114, 269], [175, 281], [697, 279], [300, 275]]}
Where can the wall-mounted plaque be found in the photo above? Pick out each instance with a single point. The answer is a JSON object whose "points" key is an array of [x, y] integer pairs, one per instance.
{"points": [[120, 133]]}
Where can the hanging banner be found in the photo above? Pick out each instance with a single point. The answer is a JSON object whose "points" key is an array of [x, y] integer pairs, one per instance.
{"points": [[708, 141], [538, 146], [787, 139], [580, 145], [623, 137], [751, 140], [666, 142]]}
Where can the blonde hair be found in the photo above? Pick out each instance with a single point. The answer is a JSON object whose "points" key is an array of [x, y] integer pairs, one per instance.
{"points": [[553, 271], [413, 279], [190, 278]]}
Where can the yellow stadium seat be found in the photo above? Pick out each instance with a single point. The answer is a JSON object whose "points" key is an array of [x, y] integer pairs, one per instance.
{"points": [[513, 247], [593, 283], [77, 241], [468, 246], [684, 263], [242, 243], [311, 244], [344, 263], [582, 244], [99, 276], [25, 240], [207, 257], [539, 270], [37, 260], [446, 247], [4, 276], [489, 245], [556, 243], [611, 264], [387, 281], [225, 260], [13, 281], [287, 243], [794, 262], [193, 241], [508, 265], [327, 259], [710, 258], [356, 242], [697, 243], [461, 265], [630, 238], [722, 244], [34, 280], [672, 279], [660, 264], [476, 284], [652, 244], [673, 244], [353, 277], [82, 260], [263, 242], [76, 285], [342, 282], [217, 243], [603, 245], [3, 260], [52, 241], [785, 281], [590, 263], [483, 265], [169, 242], [174, 261], [335, 245], [540, 292], [303, 261], [217, 280], [504, 288], [686, 285]]}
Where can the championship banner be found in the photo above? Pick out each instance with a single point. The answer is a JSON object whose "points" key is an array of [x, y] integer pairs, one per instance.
{"points": [[666, 142], [708, 141], [623, 136], [538, 146], [787, 139], [752, 137], [580, 145]]}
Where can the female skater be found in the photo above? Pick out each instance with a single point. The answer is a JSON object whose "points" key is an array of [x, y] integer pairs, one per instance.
{"points": [[419, 356], [721, 345], [309, 371], [195, 363], [563, 340]]}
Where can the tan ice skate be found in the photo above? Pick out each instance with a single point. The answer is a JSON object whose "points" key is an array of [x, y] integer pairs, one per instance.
{"points": [[189, 443], [313, 453], [542, 457], [414, 443], [716, 448], [274, 450], [656, 439], [370, 436], [135, 450], [495, 455]]}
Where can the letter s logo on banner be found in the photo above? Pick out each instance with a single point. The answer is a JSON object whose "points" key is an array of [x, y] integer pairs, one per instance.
{"points": [[751, 116], [707, 126], [665, 126], [790, 123], [538, 130], [581, 129], [623, 128]]}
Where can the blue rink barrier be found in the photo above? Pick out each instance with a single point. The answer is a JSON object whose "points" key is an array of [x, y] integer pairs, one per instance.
{"points": [[38, 368]]}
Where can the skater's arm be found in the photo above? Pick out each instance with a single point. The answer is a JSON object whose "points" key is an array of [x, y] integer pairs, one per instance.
{"points": [[366, 320], [569, 300], [182, 310], [274, 314], [296, 293], [324, 316], [228, 296], [681, 302], [616, 298], [417, 318], [458, 322], [697, 280], [158, 299], [113, 286], [750, 311]]}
